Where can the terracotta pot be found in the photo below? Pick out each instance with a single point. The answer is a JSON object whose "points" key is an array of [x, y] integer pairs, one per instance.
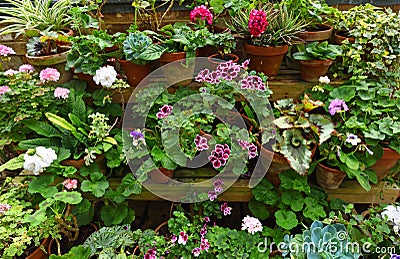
{"points": [[265, 59], [311, 70], [91, 84], [216, 58], [388, 160], [39, 253], [57, 61], [134, 73], [78, 163], [323, 32], [158, 178], [177, 70], [338, 38], [329, 178], [206, 51]]}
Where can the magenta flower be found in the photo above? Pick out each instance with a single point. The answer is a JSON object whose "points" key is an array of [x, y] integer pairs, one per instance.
{"points": [[219, 155], [203, 230], [70, 184], [226, 209], [202, 75], [204, 244], [196, 252], [257, 22], [26, 68], [206, 219], [4, 89], [218, 182], [49, 74], [201, 12], [5, 51], [151, 254], [337, 105], [228, 70], [201, 143], [10, 72], [164, 112], [253, 82], [182, 238], [61, 92], [4, 207], [251, 148], [212, 195], [245, 64], [173, 239]]}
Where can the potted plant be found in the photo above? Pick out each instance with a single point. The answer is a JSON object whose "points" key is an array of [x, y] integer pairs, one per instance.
{"points": [[312, 12], [315, 59], [269, 32]]}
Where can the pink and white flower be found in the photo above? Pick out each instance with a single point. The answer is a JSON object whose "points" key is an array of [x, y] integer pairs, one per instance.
{"points": [[4, 89], [164, 112], [183, 238], [61, 92], [70, 184], [201, 143], [251, 224], [5, 51], [10, 72], [49, 74], [26, 68]]}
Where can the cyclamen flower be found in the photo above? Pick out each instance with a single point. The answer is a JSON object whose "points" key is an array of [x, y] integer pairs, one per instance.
{"points": [[164, 112], [10, 72], [196, 252], [324, 80], [26, 68], [4, 207], [225, 209], [182, 238], [336, 106], [201, 143], [354, 140], [137, 137], [228, 70], [49, 74], [105, 76], [251, 224], [257, 22], [253, 82], [61, 92], [219, 155], [5, 51], [70, 184], [201, 12], [40, 160], [4, 89]]}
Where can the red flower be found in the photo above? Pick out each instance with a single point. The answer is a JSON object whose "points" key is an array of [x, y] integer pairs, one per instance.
{"points": [[201, 12], [257, 22]]}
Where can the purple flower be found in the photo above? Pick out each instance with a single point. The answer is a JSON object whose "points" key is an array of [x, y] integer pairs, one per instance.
{"points": [[201, 143], [204, 244], [226, 209], [207, 219], [4, 89], [218, 182], [26, 68], [354, 140], [196, 252], [395, 256], [212, 195], [164, 112], [202, 75], [182, 238], [253, 82], [61, 92], [173, 239], [213, 77], [218, 189], [203, 230], [5, 51], [219, 155], [245, 64], [251, 148], [228, 70], [4, 207], [336, 106], [137, 137]]}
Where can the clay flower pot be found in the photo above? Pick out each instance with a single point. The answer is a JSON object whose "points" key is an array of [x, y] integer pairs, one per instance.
{"points": [[178, 70], [134, 73], [266, 59], [338, 38], [78, 163], [38, 253], [311, 70], [321, 33], [329, 178], [388, 160]]}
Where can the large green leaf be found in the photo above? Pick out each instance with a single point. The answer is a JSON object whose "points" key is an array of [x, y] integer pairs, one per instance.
{"points": [[68, 197], [37, 142], [259, 209], [296, 150], [42, 128], [97, 185], [265, 192], [13, 164], [286, 219], [60, 122], [109, 215]]}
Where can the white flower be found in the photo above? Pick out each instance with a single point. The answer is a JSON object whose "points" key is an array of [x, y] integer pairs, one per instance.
{"points": [[251, 224], [40, 160], [105, 76], [392, 214], [48, 155], [353, 139], [324, 80]]}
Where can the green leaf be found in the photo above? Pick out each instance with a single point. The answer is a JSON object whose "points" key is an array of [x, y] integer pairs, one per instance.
{"points": [[42, 184], [350, 160], [76, 252], [110, 140], [296, 150], [68, 197], [258, 209], [97, 185], [37, 142], [265, 192], [13, 164], [130, 185], [60, 122], [345, 93], [42, 128], [79, 109], [293, 198], [286, 219], [110, 217]]}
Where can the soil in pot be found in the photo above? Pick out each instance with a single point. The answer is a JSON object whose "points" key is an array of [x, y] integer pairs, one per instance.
{"points": [[319, 33], [84, 232], [312, 70], [388, 160], [329, 178]]}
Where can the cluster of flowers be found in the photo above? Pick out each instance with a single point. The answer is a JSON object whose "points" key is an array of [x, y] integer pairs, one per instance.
{"points": [[4, 207], [5, 51], [164, 112], [151, 254], [225, 209], [105, 76], [257, 22], [218, 183], [61, 92], [42, 159], [225, 71], [49, 75], [251, 224], [70, 184], [204, 244], [337, 106], [219, 155], [252, 149], [253, 82], [4, 89], [201, 12], [392, 213], [201, 143]]}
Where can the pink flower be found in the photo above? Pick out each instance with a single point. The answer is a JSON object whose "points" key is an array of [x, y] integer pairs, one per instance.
{"points": [[196, 252], [173, 239], [151, 254], [228, 70], [257, 22], [251, 224], [164, 112], [5, 51], [10, 72], [70, 184], [204, 244], [201, 12], [337, 105], [251, 148], [201, 143], [61, 92], [182, 238], [4, 207], [225, 209], [245, 64], [212, 195], [203, 230], [207, 219], [202, 75], [253, 82], [26, 68], [49, 74], [4, 89], [219, 155]]}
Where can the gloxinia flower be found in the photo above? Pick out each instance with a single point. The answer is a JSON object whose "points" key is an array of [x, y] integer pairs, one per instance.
{"points": [[26, 68], [201, 143], [61, 92], [201, 12], [219, 155], [70, 184], [105, 76], [251, 224], [206, 219], [354, 140], [182, 238], [202, 75], [337, 105], [257, 22], [4, 89], [49, 74], [5, 51], [164, 112]]}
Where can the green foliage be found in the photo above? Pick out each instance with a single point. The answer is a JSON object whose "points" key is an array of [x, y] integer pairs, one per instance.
{"points": [[77, 252], [139, 48], [317, 51], [49, 43]]}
